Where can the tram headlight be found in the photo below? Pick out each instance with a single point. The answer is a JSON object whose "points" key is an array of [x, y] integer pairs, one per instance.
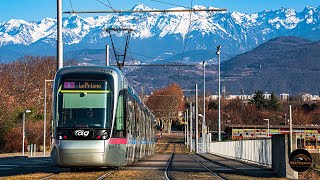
{"points": [[104, 137], [60, 137]]}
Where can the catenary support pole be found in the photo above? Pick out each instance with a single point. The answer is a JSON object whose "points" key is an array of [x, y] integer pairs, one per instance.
{"points": [[191, 126], [59, 33], [219, 94], [204, 108], [197, 121], [290, 109]]}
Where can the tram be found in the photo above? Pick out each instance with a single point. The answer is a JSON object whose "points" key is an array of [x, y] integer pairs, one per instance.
{"points": [[98, 120]]}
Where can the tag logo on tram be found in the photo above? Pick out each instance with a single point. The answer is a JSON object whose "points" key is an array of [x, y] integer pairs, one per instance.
{"points": [[81, 133]]}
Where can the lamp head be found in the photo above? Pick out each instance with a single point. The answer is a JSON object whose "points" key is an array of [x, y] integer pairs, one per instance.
{"points": [[218, 49], [27, 111], [204, 63]]}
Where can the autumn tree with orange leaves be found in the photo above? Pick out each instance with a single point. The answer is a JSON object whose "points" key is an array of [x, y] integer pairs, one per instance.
{"points": [[22, 88], [166, 103]]}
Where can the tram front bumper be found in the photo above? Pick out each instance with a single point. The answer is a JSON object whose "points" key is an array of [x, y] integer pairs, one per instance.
{"points": [[82, 153]]}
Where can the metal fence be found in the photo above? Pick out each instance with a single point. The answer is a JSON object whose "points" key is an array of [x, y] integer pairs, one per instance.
{"points": [[253, 150]]}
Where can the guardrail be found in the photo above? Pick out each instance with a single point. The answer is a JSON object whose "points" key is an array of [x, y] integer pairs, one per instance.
{"points": [[252, 150]]}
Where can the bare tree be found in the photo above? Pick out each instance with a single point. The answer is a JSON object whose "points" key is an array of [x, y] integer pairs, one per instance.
{"points": [[166, 103]]}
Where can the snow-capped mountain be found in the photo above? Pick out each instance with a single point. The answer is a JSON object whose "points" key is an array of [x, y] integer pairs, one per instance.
{"points": [[158, 36]]}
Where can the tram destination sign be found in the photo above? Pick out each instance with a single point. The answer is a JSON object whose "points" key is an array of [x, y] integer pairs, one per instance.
{"points": [[78, 85]]}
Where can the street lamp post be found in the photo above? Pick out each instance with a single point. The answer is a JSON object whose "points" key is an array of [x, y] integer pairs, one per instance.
{"points": [[191, 128], [185, 128], [187, 119], [203, 139], [23, 128], [219, 96], [268, 126]]}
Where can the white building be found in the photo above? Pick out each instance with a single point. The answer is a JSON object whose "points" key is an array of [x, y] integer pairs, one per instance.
{"points": [[310, 97], [284, 97]]}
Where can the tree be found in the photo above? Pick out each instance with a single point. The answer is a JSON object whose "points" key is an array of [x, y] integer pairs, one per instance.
{"points": [[23, 88], [212, 105], [258, 100], [165, 103], [273, 103], [306, 107]]}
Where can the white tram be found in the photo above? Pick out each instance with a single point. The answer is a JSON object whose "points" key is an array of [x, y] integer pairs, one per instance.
{"points": [[98, 120]]}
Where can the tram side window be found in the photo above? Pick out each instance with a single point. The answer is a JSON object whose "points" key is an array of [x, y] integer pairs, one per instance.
{"points": [[120, 113], [129, 111]]}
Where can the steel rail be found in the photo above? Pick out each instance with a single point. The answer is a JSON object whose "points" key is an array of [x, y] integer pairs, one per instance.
{"points": [[103, 176], [166, 173], [204, 166], [47, 177], [53, 174]]}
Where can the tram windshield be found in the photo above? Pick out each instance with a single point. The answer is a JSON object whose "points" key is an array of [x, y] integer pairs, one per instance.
{"points": [[84, 104]]}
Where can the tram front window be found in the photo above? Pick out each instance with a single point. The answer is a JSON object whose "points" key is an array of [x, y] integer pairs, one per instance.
{"points": [[85, 104]]}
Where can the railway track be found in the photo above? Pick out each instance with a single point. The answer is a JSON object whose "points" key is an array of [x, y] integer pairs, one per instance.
{"points": [[215, 174], [98, 174], [192, 160], [172, 160]]}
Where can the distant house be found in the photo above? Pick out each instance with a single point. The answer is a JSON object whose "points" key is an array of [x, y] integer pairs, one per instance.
{"points": [[266, 96], [284, 97], [241, 97], [309, 97]]}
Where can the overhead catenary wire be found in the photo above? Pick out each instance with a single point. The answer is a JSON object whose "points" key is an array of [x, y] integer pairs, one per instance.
{"points": [[151, 58], [110, 4], [127, 39], [146, 11], [185, 41], [105, 4], [71, 5], [164, 65], [187, 34], [170, 4], [187, 9]]}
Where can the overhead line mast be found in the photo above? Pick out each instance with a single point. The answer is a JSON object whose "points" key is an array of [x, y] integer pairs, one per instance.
{"points": [[59, 36]]}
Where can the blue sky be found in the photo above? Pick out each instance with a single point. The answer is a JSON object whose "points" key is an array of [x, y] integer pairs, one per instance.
{"points": [[38, 9]]}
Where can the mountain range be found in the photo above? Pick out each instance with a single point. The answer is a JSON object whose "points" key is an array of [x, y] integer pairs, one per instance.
{"points": [[273, 51], [159, 36], [281, 65]]}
